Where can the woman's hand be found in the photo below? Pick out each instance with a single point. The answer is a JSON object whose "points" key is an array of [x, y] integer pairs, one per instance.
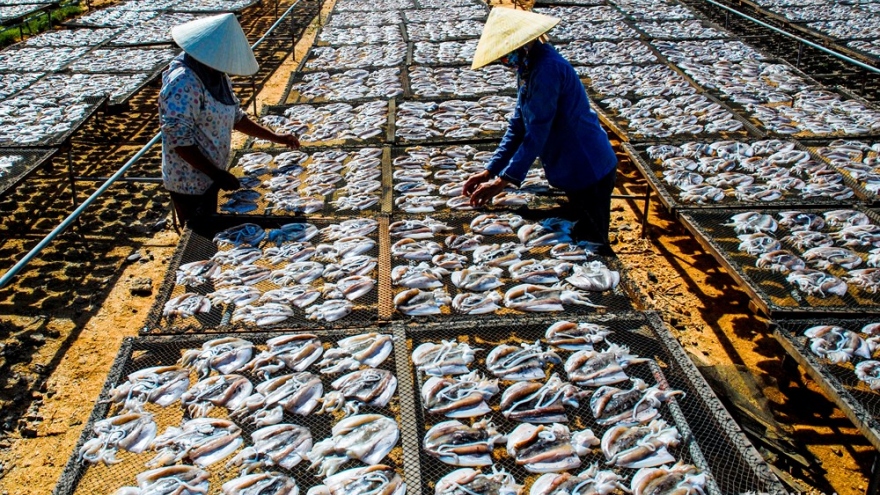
{"points": [[471, 184], [289, 140], [486, 191]]}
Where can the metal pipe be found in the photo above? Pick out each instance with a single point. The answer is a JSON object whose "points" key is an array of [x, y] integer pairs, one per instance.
{"points": [[798, 38], [148, 180], [12, 272], [7, 277]]}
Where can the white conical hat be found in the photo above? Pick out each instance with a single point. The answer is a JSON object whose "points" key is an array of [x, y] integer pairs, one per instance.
{"points": [[218, 42], [508, 29]]}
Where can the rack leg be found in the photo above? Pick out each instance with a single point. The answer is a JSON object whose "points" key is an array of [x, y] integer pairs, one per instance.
{"points": [[874, 482], [645, 212], [254, 90], [72, 179]]}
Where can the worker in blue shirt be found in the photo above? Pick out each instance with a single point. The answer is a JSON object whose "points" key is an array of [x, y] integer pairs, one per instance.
{"points": [[552, 120]]}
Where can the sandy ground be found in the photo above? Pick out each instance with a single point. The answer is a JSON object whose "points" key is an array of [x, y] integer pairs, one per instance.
{"points": [[66, 316]]}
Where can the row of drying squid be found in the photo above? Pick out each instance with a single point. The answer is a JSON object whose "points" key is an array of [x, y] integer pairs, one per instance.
{"points": [[638, 438]]}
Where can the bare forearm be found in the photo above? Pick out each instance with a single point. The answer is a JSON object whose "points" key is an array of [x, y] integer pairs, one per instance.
{"points": [[251, 128], [194, 156]]}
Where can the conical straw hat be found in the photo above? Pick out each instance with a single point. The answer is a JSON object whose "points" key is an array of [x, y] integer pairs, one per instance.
{"points": [[508, 29], [218, 42]]}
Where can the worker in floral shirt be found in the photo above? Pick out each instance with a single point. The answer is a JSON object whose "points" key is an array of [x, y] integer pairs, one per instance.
{"points": [[198, 112]]}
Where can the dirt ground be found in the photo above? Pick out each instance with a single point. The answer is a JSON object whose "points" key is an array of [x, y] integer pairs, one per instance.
{"points": [[64, 318]]}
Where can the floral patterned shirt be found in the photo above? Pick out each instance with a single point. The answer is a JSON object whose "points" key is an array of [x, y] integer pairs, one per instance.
{"points": [[188, 115]]}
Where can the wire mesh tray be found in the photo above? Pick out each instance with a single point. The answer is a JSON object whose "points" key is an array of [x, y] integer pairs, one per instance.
{"points": [[19, 58], [711, 439], [393, 56], [214, 6], [451, 30], [839, 382], [475, 132], [435, 4], [457, 82], [10, 14], [342, 89], [358, 19], [91, 106], [710, 30], [670, 195], [618, 30], [624, 52], [428, 53], [356, 35], [152, 59], [870, 55], [586, 3], [197, 245], [341, 138], [769, 290], [111, 17], [474, 12], [611, 301], [752, 118], [17, 164], [139, 353], [14, 82], [620, 126], [370, 6], [543, 197], [636, 82], [118, 87], [264, 206], [868, 153]]}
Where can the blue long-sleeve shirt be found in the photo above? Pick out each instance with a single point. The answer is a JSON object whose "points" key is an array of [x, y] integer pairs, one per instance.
{"points": [[553, 120]]}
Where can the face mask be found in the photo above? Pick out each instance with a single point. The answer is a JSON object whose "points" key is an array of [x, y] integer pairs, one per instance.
{"points": [[511, 60]]}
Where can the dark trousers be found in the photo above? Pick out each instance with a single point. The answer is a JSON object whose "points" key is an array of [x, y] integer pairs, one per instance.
{"points": [[191, 208], [591, 207]]}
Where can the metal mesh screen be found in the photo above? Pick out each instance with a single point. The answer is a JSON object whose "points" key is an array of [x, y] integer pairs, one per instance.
{"points": [[649, 129], [426, 82], [9, 14], [357, 19], [612, 301], [570, 2], [541, 195], [712, 440], [855, 398], [442, 54], [197, 245], [337, 36], [675, 198], [332, 124], [214, 6], [861, 169], [689, 29], [452, 121], [36, 134], [17, 164], [353, 85], [476, 12], [825, 119], [325, 58], [118, 87], [137, 354], [144, 59], [769, 289], [270, 179]]}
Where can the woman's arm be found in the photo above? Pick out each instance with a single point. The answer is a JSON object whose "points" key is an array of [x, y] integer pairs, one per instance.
{"points": [[251, 128], [194, 156]]}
